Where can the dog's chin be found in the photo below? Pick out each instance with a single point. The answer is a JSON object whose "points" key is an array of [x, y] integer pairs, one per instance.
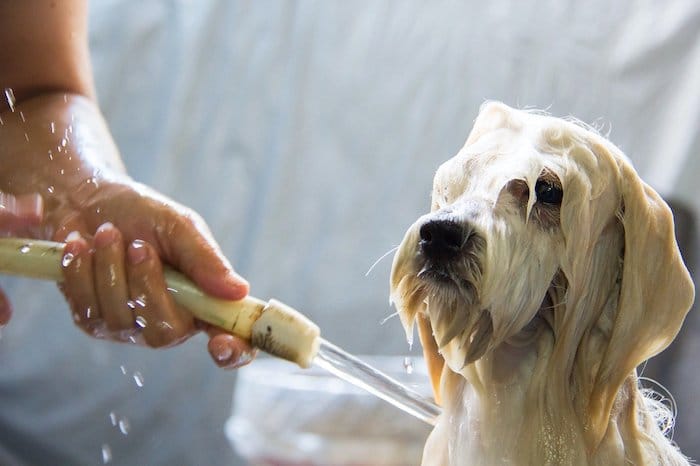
{"points": [[460, 325], [464, 327]]}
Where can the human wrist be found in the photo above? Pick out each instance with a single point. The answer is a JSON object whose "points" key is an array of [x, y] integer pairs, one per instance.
{"points": [[57, 145]]}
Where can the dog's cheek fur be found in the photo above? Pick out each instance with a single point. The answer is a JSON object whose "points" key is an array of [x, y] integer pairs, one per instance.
{"points": [[516, 276]]}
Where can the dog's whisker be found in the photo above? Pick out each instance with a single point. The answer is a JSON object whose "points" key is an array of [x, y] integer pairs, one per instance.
{"points": [[380, 259], [389, 317]]}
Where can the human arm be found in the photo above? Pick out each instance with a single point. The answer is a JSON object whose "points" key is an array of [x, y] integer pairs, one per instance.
{"points": [[55, 142]]}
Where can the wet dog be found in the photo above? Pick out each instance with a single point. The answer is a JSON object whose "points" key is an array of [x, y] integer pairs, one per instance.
{"points": [[545, 273]]}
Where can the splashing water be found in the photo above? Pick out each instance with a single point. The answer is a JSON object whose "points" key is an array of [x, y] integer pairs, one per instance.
{"points": [[123, 369], [10, 97], [106, 453], [349, 368], [25, 249], [408, 365], [138, 379], [113, 418], [141, 321], [67, 259], [124, 426]]}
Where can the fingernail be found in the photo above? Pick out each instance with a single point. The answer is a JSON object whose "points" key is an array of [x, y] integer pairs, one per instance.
{"points": [[245, 358], [72, 236], [223, 353], [105, 235], [220, 348], [137, 252]]}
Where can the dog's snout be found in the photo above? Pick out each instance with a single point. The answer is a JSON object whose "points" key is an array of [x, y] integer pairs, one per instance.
{"points": [[441, 239]]}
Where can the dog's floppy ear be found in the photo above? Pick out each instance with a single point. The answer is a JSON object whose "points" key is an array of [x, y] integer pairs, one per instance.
{"points": [[656, 290]]}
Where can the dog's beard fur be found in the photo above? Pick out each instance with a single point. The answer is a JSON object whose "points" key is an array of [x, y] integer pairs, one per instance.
{"points": [[540, 320], [449, 294], [473, 309]]}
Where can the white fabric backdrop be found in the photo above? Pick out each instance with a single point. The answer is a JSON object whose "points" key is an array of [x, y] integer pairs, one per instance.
{"points": [[306, 133]]}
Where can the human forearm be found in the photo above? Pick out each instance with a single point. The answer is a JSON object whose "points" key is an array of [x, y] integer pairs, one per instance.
{"points": [[44, 48]]}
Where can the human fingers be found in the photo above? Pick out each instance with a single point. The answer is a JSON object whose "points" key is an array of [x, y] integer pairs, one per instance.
{"points": [[78, 284], [111, 281], [229, 351], [163, 323]]}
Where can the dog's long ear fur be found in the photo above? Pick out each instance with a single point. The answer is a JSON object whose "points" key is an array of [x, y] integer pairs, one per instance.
{"points": [[656, 291]]}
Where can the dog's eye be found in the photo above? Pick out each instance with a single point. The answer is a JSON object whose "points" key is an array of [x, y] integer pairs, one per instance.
{"points": [[548, 192]]}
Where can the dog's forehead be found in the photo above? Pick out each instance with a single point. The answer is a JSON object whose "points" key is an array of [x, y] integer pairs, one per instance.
{"points": [[508, 144], [497, 157]]}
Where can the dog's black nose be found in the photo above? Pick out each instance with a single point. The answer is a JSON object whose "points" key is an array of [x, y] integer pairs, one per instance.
{"points": [[441, 239]]}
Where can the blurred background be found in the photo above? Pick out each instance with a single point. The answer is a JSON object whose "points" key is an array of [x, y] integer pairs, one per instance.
{"points": [[307, 133]]}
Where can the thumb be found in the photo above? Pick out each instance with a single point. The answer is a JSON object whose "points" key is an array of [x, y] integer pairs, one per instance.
{"points": [[193, 251]]}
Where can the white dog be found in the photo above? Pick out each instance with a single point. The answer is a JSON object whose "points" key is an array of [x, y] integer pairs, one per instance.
{"points": [[545, 274]]}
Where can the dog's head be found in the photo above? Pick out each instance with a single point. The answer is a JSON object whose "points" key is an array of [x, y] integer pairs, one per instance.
{"points": [[542, 233]]}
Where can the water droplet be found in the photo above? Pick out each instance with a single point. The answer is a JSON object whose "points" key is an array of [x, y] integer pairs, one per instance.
{"points": [[106, 453], [64, 141], [10, 97], [123, 369], [112, 275], [21, 115], [408, 365], [26, 137], [1, 122], [138, 378], [88, 312], [131, 305], [65, 97], [141, 321], [124, 426], [25, 249], [140, 301], [113, 418], [67, 259], [50, 155], [60, 149], [53, 128], [76, 317], [164, 325], [51, 189]]}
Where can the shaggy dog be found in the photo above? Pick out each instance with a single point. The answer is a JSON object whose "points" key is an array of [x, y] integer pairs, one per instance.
{"points": [[546, 272]]}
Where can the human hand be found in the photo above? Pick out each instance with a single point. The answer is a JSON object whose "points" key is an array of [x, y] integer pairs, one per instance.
{"points": [[18, 214], [118, 233]]}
